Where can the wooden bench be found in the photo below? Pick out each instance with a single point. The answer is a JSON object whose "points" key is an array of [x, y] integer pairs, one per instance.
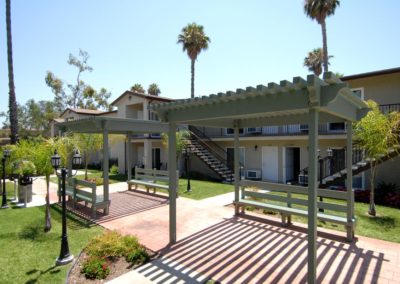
{"points": [[288, 205], [150, 178], [81, 190]]}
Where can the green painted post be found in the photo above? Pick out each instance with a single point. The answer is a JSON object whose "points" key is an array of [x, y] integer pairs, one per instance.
{"points": [[312, 194], [349, 180], [236, 161], [105, 168], [129, 156], [172, 181]]}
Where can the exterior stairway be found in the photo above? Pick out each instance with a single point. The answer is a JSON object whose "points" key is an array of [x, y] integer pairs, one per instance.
{"points": [[210, 153], [333, 170]]}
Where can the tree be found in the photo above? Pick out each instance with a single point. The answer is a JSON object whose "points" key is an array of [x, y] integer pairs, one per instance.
{"points": [[88, 144], [193, 40], [181, 141], [376, 133], [81, 95], [42, 159], [137, 88], [12, 102], [154, 90], [314, 61], [319, 10]]}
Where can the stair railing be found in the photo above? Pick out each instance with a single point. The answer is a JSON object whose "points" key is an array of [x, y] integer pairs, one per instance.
{"points": [[216, 150]]}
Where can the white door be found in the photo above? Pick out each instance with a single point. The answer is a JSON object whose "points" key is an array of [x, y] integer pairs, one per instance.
{"points": [[270, 163]]}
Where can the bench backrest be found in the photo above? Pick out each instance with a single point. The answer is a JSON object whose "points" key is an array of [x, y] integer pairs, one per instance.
{"points": [[76, 183], [268, 189], [153, 175]]}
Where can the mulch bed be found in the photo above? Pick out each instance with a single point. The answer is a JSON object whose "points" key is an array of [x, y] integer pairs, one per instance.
{"points": [[117, 268]]}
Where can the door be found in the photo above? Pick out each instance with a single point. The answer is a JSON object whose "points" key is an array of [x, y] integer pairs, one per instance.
{"points": [[270, 163], [156, 158], [292, 163]]}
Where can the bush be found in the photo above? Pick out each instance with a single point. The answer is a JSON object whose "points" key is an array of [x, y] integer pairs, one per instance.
{"points": [[387, 194], [95, 268], [114, 170], [108, 247]]}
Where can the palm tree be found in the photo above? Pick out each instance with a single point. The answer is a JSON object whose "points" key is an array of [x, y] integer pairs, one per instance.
{"points": [[154, 90], [137, 88], [193, 40], [314, 61], [319, 10], [12, 102]]}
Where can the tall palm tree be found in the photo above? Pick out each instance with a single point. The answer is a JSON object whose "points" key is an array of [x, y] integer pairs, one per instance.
{"points": [[154, 90], [314, 61], [137, 88], [12, 102], [193, 40], [319, 10]]}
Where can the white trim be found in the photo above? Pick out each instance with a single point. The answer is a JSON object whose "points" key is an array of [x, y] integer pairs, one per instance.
{"points": [[359, 89]]}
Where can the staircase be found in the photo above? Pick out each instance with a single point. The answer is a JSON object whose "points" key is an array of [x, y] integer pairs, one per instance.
{"points": [[332, 170], [213, 155]]}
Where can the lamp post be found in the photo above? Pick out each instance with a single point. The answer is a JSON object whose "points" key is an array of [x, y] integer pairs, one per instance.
{"points": [[187, 151], [6, 154], [65, 257]]}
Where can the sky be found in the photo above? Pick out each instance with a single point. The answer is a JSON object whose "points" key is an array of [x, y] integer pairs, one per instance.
{"points": [[252, 42]]}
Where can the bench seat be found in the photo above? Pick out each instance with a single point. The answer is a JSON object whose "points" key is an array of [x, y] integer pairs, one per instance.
{"points": [[294, 211]]}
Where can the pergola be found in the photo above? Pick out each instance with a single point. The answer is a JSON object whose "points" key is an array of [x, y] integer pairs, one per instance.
{"points": [[310, 101], [111, 125]]}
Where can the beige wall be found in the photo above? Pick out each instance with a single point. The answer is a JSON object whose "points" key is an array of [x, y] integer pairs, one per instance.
{"points": [[384, 89]]}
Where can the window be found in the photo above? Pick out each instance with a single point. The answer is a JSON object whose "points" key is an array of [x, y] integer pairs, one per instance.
{"points": [[358, 92], [336, 126], [153, 116], [230, 131]]}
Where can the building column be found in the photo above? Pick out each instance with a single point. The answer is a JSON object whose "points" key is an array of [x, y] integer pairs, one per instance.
{"points": [[172, 181], [147, 152], [312, 194], [128, 156]]}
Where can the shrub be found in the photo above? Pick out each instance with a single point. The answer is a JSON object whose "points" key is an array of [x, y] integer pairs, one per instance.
{"points": [[112, 245], [114, 170], [95, 268]]}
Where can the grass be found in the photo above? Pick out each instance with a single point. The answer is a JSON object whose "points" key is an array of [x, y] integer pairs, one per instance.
{"points": [[97, 176], [28, 254], [201, 189]]}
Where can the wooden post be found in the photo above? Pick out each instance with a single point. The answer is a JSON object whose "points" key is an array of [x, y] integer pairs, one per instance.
{"points": [[312, 194], [129, 156], [349, 181], [236, 161], [172, 181], [105, 168]]}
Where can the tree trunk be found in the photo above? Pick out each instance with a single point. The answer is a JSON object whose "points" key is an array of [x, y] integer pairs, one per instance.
{"points": [[47, 226], [86, 166], [324, 46], [372, 210], [12, 103], [192, 85]]}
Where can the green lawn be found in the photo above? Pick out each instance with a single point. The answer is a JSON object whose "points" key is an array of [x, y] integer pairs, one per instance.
{"points": [[27, 253], [203, 189], [97, 175]]}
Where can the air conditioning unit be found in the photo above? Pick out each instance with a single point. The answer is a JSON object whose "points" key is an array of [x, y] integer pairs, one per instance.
{"points": [[253, 174], [254, 130], [303, 127]]}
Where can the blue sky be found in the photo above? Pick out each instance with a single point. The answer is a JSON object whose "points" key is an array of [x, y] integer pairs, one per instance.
{"points": [[252, 42]]}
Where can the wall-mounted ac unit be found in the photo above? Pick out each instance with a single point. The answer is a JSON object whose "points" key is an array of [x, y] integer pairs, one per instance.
{"points": [[253, 174], [254, 130]]}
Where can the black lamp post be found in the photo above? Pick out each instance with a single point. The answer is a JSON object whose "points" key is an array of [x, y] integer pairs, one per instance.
{"points": [[6, 154], [187, 152], [65, 257]]}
